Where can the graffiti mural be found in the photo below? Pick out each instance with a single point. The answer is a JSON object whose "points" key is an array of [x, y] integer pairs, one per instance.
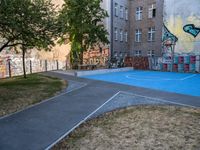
{"points": [[182, 18], [191, 29], [3, 68], [167, 35], [168, 43], [97, 57], [33, 64]]}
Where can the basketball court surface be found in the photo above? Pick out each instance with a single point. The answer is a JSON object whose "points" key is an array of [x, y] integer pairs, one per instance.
{"points": [[181, 83]]}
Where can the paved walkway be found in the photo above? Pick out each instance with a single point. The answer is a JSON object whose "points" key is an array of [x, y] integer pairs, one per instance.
{"points": [[40, 126]]}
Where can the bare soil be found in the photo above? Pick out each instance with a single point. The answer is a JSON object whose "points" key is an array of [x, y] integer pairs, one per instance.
{"points": [[138, 128]]}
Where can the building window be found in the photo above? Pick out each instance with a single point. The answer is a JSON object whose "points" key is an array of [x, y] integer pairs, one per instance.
{"points": [[138, 53], [151, 53], [116, 34], [121, 12], [138, 35], [121, 35], [151, 34], [126, 36], [152, 11], [126, 13], [116, 9], [138, 13]]}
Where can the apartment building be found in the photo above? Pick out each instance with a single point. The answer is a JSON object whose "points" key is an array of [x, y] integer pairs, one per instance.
{"points": [[146, 22], [120, 27], [135, 27], [117, 25]]}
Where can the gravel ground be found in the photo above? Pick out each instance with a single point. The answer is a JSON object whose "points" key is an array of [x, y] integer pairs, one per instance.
{"points": [[138, 128], [123, 100]]}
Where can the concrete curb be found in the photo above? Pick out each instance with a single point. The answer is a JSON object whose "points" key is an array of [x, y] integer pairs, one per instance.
{"points": [[102, 71]]}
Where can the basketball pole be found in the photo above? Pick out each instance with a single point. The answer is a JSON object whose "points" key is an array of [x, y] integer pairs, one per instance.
{"points": [[172, 63]]}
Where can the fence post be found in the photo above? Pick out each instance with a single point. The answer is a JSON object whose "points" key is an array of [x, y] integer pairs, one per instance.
{"points": [[30, 66], [9, 68], [57, 64], [45, 65]]}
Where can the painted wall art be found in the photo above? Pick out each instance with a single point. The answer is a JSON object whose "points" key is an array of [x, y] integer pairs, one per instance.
{"points": [[168, 45], [191, 29], [182, 19]]}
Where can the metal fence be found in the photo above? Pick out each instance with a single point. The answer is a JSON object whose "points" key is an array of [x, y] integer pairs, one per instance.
{"points": [[14, 67]]}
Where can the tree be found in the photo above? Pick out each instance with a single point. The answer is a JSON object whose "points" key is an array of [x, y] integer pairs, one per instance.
{"points": [[81, 25], [27, 24]]}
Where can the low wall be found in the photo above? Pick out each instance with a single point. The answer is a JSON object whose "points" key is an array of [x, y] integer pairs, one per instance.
{"points": [[141, 63], [185, 63], [102, 71]]}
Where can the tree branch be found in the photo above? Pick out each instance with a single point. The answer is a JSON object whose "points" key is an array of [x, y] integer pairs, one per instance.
{"points": [[15, 44], [9, 41], [4, 46], [10, 45]]}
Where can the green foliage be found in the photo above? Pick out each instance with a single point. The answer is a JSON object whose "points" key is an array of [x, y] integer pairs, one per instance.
{"points": [[81, 24], [29, 23]]}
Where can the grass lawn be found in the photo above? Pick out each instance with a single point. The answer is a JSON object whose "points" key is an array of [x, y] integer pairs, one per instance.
{"points": [[138, 128], [17, 93]]}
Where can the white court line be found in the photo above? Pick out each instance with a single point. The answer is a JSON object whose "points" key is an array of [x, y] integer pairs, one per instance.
{"points": [[44, 101], [158, 99], [149, 78], [82, 121], [188, 77]]}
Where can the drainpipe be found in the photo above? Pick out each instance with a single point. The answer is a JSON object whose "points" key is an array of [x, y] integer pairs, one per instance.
{"points": [[111, 31]]}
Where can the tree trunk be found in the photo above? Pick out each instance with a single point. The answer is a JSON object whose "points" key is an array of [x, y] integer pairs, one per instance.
{"points": [[81, 58], [23, 59]]}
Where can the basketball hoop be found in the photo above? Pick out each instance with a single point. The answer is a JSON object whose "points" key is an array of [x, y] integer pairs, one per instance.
{"points": [[168, 43]]}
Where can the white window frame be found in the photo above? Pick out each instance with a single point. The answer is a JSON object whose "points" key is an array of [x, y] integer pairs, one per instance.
{"points": [[138, 53], [150, 11], [151, 34], [138, 13], [121, 35], [126, 36], [121, 12], [116, 9], [116, 34], [151, 53], [138, 35], [126, 13]]}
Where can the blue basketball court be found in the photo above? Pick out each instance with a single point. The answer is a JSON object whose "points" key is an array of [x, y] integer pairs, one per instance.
{"points": [[182, 83]]}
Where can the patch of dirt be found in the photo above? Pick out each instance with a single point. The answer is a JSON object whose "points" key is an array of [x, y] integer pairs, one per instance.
{"points": [[138, 128]]}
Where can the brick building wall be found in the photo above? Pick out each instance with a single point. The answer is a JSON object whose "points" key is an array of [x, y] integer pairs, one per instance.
{"points": [[145, 46]]}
